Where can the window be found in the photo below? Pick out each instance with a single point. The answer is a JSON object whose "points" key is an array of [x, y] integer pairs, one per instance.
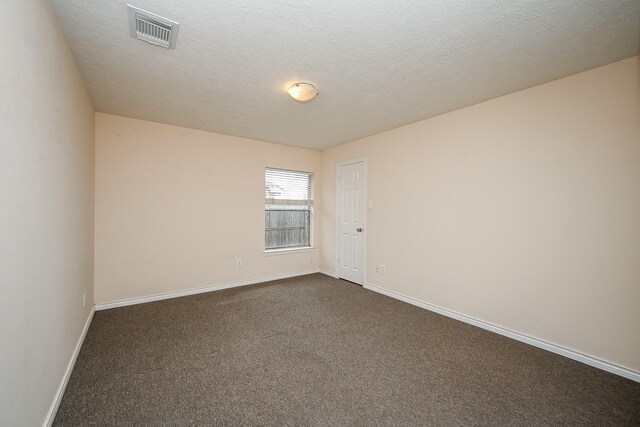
{"points": [[287, 212]]}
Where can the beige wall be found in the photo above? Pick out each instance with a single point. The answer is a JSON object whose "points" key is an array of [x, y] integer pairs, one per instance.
{"points": [[523, 211], [46, 210], [176, 207]]}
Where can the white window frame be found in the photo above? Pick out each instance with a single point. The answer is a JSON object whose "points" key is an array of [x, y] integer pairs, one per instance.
{"points": [[299, 204]]}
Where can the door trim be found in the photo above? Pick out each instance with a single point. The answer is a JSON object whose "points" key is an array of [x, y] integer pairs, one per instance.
{"points": [[362, 160]]}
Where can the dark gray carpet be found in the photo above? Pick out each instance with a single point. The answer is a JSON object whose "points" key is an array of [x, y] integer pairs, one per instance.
{"points": [[315, 351]]}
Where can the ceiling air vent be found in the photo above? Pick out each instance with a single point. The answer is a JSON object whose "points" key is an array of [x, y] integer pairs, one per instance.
{"points": [[152, 28]]}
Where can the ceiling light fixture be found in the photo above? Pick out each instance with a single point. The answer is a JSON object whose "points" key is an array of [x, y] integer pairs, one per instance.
{"points": [[303, 91]]}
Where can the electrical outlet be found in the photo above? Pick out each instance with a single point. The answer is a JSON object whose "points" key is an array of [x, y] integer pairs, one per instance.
{"points": [[383, 269], [377, 268], [238, 263], [84, 299]]}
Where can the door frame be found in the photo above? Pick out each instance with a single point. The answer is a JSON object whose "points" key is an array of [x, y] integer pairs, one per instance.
{"points": [[362, 160]]}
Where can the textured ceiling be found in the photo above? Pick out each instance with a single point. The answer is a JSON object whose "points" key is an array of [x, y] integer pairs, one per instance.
{"points": [[378, 64]]}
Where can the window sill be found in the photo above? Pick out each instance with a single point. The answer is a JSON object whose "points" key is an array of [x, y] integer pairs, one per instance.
{"points": [[270, 252]]}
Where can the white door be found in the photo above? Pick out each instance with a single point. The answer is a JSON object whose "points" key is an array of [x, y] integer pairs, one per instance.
{"points": [[351, 221]]}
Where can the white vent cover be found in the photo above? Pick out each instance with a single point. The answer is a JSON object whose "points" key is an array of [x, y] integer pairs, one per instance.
{"points": [[152, 28]]}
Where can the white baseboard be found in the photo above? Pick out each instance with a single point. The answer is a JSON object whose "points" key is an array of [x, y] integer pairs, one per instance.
{"points": [[53, 410], [329, 273], [566, 352], [186, 292]]}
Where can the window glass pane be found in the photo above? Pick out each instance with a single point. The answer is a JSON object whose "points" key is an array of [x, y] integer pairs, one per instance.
{"points": [[287, 185], [287, 228]]}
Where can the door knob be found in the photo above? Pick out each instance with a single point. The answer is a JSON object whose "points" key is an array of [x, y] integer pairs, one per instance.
{"points": [[360, 230]]}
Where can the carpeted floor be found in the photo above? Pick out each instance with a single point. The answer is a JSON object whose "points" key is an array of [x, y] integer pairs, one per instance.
{"points": [[315, 351]]}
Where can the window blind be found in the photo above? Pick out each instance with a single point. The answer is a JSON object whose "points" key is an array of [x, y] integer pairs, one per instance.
{"points": [[286, 187]]}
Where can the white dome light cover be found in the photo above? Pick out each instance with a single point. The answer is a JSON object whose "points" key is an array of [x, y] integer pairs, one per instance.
{"points": [[302, 91]]}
